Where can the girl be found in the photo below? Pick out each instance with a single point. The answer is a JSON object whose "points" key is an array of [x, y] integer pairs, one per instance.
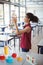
{"points": [[26, 32]]}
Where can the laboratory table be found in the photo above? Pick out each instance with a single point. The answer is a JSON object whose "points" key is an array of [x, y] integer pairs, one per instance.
{"points": [[38, 57], [6, 39], [40, 45]]}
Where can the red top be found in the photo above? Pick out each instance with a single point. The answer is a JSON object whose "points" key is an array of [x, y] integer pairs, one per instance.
{"points": [[26, 39]]}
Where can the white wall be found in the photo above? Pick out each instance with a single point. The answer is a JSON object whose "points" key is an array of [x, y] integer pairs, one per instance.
{"points": [[37, 10]]}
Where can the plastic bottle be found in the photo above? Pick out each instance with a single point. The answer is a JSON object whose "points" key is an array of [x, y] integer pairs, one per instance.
{"points": [[6, 52], [6, 48]]}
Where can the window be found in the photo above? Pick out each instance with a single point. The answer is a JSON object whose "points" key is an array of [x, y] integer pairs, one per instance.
{"points": [[12, 9], [8, 0], [6, 11], [1, 14], [12, 1], [16, 1], [15, 10], [22, 2], [6, 14], [22, 13]]}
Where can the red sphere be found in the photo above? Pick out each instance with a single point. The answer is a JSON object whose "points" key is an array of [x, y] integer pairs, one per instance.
{"points": [[14, 55], [2, 57]]}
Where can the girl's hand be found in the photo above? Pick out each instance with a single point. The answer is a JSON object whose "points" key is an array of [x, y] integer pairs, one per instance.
{"points": [[14, 19], [13, 31]]}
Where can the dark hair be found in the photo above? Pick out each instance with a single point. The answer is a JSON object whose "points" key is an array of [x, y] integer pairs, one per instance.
{"points": [[32, 17]]}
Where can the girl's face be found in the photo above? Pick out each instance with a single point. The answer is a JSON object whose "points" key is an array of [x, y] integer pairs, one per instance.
{"points": [[26, 19]]}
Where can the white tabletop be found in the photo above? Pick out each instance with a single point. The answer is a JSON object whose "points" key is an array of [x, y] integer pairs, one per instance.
{"points": [[40, 24], [3, 26], [38, 57], [5, 38], [33, 25], [5, 32], [40, 43]]}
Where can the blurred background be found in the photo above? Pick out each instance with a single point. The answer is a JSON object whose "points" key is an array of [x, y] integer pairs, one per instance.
{"points": [[21, 7]]}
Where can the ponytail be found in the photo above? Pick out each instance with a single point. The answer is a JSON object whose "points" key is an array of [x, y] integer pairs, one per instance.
{"points": [[35, 19], [32, 17]]}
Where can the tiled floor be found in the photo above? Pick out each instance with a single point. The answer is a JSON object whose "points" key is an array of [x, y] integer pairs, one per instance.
{"points": [[34, 41]]}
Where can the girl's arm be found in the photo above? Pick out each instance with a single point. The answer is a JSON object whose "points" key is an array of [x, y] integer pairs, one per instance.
{"points": [[27, 29]]}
